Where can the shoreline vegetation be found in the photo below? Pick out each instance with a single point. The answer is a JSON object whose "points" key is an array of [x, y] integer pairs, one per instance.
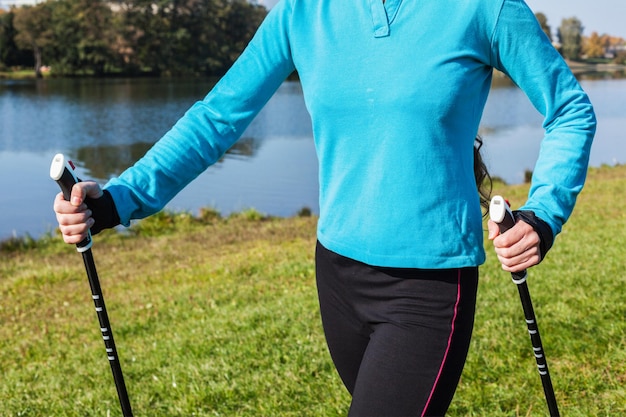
{"points": [[218, 316], [580, 69], [577, 67], [165, 221], [582, 66]]}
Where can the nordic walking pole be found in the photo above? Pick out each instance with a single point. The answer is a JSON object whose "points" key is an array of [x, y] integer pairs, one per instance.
{"points": [[501, 214], [62, 171]]}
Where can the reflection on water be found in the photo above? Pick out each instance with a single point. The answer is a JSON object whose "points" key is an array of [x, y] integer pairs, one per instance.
{"points": [[106, 125], [105, 161]]}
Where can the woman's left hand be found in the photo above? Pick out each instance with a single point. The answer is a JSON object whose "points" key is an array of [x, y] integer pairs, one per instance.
{"points": [[518, 248]]}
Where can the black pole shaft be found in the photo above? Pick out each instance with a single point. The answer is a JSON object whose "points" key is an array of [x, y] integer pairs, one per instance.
{"points": [[107, 333], [62, 171], [535, 338], [501, 214]]}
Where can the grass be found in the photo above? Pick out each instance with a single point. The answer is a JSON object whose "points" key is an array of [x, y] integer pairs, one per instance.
{"points": [[218, 317], [19, 74]]}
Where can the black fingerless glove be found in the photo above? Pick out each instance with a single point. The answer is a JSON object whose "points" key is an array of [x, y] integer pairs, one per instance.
{"points": [[103, 212], [542, 228]]}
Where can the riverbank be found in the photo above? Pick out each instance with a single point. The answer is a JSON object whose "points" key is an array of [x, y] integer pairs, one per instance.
{"points": [[581, 67], [218, 316], [577, 67], [19, 75]]}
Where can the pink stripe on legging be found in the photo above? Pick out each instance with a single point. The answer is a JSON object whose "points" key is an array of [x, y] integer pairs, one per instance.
{"points": [[445, 355]]}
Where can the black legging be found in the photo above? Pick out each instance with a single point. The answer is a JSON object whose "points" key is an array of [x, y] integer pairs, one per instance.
{"points": [[398, 337]]}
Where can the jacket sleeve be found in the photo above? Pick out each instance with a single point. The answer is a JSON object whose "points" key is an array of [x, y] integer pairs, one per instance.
{"points": [[211, 126], [522, 51]]}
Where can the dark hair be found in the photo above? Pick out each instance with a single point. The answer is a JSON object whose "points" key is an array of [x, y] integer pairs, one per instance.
{"points": [[483, 179]]}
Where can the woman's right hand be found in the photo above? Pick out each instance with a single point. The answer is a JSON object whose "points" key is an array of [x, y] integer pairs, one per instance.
{"points": [[74, 217]]}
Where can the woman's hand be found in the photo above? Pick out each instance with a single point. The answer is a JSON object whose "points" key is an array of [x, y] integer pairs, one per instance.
{"points": [[518, 248], [74, 216]]}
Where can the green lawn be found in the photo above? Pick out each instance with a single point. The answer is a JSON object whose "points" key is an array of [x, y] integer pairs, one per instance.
{"points": [[219, 317]]}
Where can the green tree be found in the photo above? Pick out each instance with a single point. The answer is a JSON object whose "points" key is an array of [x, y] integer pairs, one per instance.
{"points": [[570, 35], [8, 49], [64, 53], [241, 22], [10, 54], [94, 18], [543, 22], [148, 31], [83, 36], [187, 36], [33, 24], [171, 37]]}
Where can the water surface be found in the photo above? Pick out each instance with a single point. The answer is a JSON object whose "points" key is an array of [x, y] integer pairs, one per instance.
{"points": [[106, 125]]}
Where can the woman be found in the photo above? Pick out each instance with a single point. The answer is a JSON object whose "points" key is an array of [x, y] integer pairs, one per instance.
{"points": [[395, 90]]}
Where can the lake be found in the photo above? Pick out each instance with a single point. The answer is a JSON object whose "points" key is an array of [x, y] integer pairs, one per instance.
{"points": [[105, 125]]}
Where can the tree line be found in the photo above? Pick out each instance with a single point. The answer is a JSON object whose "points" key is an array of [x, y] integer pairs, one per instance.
{"points": [[176, 37], [130, 37], [573, 45]]}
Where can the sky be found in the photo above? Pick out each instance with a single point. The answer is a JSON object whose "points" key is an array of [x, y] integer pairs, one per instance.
{"points": [[602, 16]]}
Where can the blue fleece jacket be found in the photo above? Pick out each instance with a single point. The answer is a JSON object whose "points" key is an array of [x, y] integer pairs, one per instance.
{"points": [[396, 92]]}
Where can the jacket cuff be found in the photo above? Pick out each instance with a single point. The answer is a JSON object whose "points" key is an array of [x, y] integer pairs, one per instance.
{"points": [[542, 228], [104, 212]]}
